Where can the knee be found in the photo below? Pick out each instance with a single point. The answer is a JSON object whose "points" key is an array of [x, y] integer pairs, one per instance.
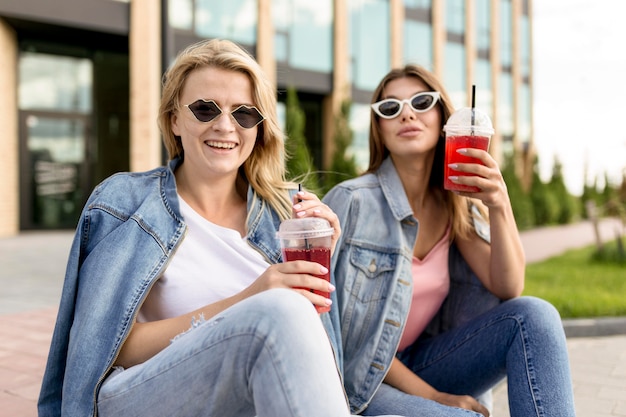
{"points": [[284, 308], [537, 312], [283, 314], [283, 302]]}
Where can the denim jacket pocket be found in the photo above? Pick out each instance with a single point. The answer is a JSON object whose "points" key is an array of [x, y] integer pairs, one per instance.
{"points": [[374, 271]]}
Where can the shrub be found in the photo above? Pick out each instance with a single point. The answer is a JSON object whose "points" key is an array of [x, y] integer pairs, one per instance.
{"points": [[343, 166], [300, 165], [520, 201]]}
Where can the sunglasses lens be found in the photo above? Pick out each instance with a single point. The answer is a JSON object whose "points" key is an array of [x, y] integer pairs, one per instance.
{"points": [[205, 111], [247, 117], [422, 102], [389, 108]]}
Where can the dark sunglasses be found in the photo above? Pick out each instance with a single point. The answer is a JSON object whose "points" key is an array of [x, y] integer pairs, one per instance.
{"points": [[392, 107], [208, 110]]}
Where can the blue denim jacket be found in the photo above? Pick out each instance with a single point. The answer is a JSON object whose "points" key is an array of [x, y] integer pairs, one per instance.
{"points": [[128, 231], [372, 271]]}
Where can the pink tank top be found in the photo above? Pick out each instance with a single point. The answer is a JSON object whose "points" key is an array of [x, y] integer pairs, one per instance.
{"points": [[431, 283]]}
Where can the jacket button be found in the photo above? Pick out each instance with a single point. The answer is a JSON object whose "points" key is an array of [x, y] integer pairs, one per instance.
{"points": [[372, 267]]}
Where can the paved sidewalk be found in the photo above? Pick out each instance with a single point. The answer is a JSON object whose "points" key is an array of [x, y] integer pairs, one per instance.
{"points": [[597, 347], [32, 266]]}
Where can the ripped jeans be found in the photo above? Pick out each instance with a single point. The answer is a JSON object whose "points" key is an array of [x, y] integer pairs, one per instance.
{"points": [[266, 356]]}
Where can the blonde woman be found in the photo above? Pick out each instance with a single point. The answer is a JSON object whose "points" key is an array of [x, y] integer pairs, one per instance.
{"points": [[176, 302]]}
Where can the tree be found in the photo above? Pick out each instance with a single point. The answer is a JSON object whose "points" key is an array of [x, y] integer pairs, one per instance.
{"points": [[343, 165], [300, 165], [520, 201], [566, 210], [545, 205]]}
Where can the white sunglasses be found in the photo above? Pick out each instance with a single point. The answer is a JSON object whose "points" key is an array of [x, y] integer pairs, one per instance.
{"points": [[392, 107]]}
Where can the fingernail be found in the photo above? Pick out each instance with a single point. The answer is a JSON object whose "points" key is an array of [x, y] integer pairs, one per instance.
{"points": [[301, 193], [323, 270], [453, 166], [331, 287], [317, 211], [328, 301], [453, 178], [297, 207], [462, 151], [300, 213]]}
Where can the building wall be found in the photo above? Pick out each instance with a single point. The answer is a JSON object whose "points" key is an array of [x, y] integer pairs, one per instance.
{"points": [[9, 160], [151, 48], [145, 84]]}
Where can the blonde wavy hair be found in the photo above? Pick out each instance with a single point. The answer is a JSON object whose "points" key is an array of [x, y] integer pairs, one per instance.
{"points": [[264, 170], [458, 208]]}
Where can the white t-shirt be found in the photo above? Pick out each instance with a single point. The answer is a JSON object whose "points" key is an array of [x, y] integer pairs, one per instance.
{"points": [[211, 263]]}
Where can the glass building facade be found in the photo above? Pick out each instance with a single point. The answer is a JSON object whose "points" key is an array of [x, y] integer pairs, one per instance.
{"points": [[329, 51]]}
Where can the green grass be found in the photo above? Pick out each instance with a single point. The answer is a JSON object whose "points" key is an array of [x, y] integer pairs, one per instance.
{"points": [[581, 283]]}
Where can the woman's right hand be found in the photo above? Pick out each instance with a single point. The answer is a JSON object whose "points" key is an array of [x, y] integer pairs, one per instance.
{"points": [[461, 401], [297, 275]]}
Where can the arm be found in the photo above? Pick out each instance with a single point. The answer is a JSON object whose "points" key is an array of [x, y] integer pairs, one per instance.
{"points": [[501, 265], [147, 339], [402, 378]]}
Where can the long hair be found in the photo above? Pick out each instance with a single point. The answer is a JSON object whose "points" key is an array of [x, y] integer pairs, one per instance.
{"points": [[264, 169], [458, 208]]}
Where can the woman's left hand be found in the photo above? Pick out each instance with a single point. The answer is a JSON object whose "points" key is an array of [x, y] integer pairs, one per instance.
{"points": [[501, 265], [307, 204], [493, 192]]}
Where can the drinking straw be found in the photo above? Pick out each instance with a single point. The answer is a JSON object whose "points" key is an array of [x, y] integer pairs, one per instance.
{"points": [[473, 107], [307, 245]]}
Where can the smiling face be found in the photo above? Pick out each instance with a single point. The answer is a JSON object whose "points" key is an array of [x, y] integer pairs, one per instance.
{"points": [[219, 147], [410, 133]]}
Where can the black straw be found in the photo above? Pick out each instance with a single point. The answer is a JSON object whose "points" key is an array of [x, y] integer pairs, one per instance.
{"points": [[307, 245], [473, 107]]}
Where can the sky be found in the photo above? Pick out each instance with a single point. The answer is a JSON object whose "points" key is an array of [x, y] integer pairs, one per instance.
{"points": [[579, 76]]}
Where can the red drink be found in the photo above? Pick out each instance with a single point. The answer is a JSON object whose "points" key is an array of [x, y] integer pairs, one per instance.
{"points": [[308, 239], [319, 255], [453, 143]]}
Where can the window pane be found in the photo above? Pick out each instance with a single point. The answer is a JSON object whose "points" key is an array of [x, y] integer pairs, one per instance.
{"points": [[57, 149], [455, 16], [180, 14], [304, 33], [233, 19], [418, 43], [484, 95], [483, 24], [61, 140], [360, 124], [423, 4], [51, 82], [524, 114], [506, 33], [505, 105], [369, 42], [454, 73], [525, 46]]}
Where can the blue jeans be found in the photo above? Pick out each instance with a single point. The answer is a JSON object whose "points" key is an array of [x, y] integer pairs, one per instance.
{"points": [[266, 356], [522, 339]]}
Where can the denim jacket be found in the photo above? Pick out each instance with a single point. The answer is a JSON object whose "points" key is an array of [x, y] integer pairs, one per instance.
{"points": [[128, 231], [372, 271]]}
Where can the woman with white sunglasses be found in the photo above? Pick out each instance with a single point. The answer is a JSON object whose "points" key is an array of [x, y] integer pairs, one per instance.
{"points": [[429, 281]]}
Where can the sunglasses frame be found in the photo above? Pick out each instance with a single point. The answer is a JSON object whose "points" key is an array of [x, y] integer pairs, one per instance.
{"points": [[232, 113], [376, 106]]}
